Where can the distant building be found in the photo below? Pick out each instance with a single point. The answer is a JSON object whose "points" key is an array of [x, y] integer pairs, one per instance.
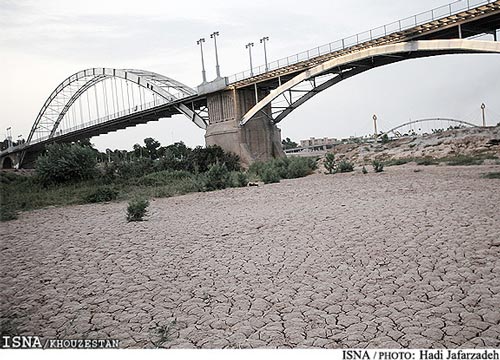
{"points": [[318, 142]]}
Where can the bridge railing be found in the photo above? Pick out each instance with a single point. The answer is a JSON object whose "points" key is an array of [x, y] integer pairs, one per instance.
{"points": [[108, 117], [363, 37]]}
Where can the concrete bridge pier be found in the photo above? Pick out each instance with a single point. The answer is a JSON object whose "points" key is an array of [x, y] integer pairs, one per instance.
{"points": [[258, 140]]}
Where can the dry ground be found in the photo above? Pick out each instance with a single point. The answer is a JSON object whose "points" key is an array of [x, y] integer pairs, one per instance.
{"points": [[397, 259]]}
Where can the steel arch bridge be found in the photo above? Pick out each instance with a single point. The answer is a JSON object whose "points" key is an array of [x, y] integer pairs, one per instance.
{"points": [[165, 91], [449, 120], [240, 112]]}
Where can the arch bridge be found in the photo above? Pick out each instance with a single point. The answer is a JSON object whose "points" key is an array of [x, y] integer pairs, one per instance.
{"points": [[240, 112]]}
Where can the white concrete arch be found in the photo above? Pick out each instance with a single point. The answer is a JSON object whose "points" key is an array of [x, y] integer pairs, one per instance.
{"points": [[343, 67]]}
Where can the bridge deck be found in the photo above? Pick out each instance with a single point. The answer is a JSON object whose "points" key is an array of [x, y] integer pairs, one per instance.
{"points": [[472, 22]]}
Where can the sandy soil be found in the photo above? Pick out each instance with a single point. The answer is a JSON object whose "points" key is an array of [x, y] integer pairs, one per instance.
{"points": [[396, 259]]}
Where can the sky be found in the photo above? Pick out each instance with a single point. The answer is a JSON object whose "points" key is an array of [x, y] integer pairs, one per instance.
{"points": [[43, 42]]}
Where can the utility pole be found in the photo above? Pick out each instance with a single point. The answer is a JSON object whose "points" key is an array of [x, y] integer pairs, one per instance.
{"points": [[263, 41], [482, 112], [217, 68], [203, 72], [249, 47], [375, 135]]}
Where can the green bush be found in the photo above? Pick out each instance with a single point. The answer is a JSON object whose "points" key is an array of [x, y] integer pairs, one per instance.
{"points": [[102, 194], [239, 179], [285, 168], [299, 167], [137, 209], [378, 166], [345, 166], [133, 169], [7, 213], [270, 175], [217, 177], [63, 163], [202, 158], [329, 163]]}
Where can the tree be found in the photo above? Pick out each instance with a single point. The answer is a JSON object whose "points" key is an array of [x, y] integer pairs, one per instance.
{"points": [[66, 163], [152, 147], [288, 144]]}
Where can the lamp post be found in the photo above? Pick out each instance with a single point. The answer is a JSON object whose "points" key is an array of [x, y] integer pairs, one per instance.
{"points": [[263, 41], [203, 72], [482, 112], [9, 136], [217, 68], [375, 127], [249, 47]]}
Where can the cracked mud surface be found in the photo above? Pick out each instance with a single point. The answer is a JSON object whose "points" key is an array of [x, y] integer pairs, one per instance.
{"points": [[397, 259]]}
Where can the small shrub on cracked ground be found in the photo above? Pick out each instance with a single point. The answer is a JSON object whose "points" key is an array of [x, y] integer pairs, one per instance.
{"points": [[345, 166], [137, 209], [378, 166], [102, 194]]}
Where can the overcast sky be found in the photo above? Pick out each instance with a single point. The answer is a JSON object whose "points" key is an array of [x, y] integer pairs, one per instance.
{"points": [[43, 42]]}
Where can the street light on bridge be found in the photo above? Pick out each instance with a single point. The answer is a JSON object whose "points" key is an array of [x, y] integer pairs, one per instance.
{"points": [[249, 47], [203, 72], [482, 112], [263, 41], [375, 135], [217, 68]]}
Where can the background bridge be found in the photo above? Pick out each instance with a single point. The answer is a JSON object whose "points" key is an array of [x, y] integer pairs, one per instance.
{"points": [[240, 112]]}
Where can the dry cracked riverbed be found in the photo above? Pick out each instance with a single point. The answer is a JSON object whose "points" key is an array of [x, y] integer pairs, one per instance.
{"points": [[398, 259]]}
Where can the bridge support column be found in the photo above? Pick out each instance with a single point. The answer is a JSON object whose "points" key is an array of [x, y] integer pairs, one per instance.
{"points": [[258, 140]]}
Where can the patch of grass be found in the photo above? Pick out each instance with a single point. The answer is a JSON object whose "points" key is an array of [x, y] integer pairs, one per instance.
{"points": [[463, 160], [492, 175], [397, 162], [476, 159], [102, 194], [426, 161]]}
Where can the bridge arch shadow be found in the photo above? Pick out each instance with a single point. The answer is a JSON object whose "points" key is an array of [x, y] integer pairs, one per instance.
{"points": [[7, 163]]}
